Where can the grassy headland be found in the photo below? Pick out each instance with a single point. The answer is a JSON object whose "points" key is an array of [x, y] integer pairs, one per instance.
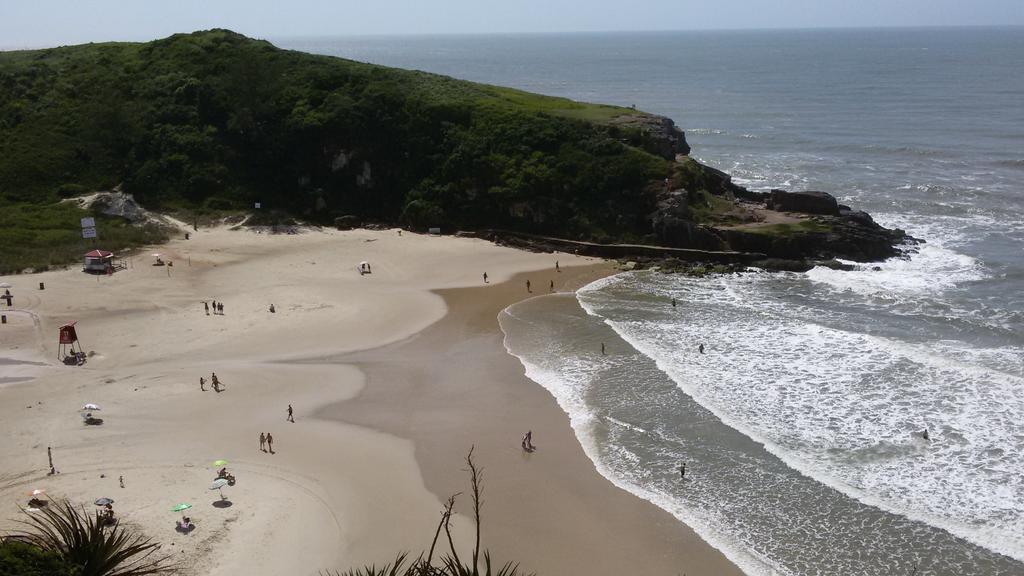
{"points": [[216, 121]]}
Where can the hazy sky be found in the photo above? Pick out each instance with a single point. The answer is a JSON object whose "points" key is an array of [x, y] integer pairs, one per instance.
{"points": [[31, 23]]}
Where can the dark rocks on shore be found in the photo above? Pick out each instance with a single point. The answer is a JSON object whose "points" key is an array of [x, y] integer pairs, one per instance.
{"points": [[849, 237], [830, 231], [809, 202]]}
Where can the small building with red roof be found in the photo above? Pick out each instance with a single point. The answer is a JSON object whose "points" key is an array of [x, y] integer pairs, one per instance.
{"points": [[99, 261]]}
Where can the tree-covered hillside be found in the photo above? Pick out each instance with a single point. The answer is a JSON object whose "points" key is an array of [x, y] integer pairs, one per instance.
{"points": [[216, 120]]}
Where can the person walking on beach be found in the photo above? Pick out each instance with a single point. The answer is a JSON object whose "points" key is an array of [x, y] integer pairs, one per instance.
{"points": [[270, 442], [701, 348], [120, 480], [528, 286], [214, 306], [925, 435], [602, 349], [557, 269], [263, 442], [673, 302], [220, 308], [485, 277], [682, 471], [552, 288], [527, 442], [291, 418], [206, 306], [202, 383]]}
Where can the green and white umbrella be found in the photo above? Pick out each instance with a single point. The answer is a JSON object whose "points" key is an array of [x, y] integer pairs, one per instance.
{"points": [[180, 507]]}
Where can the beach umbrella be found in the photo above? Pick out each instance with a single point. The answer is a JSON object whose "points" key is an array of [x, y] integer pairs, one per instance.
{"points": [[219, 483], [90, 406], [220, 462], [104, 501], [5, 285], [180, 507]]}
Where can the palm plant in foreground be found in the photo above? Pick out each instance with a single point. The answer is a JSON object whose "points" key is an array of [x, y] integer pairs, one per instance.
{"points": [[82, 540], [450, 564]]}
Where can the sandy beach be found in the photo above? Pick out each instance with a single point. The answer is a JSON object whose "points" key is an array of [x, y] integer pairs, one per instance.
{"points": [[393, 376]]}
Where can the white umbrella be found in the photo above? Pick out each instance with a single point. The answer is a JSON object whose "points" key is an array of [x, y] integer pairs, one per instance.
{"points": [[5, 285], [218, 484], [90, 406]]}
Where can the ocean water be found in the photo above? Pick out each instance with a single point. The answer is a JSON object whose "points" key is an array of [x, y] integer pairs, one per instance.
{"points": [[801, 424]]}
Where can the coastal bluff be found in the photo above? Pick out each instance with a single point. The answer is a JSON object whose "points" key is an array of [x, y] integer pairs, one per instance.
{"points": [[214, 126]]}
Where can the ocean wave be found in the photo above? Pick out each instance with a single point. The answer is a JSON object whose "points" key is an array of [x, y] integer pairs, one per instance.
{"points": [[807, 399], [931, 269], [568, 378]]}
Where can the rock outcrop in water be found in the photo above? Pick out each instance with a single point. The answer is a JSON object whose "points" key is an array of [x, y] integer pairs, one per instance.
{"points": [[705, 210], [805, 202]]}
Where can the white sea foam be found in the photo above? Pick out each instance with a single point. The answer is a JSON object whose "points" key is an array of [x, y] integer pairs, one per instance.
{"points": [[931, 269], [843, 406], [568, 378]]}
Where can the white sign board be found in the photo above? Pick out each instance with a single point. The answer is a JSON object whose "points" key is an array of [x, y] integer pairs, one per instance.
{"points": [[88, 222], [257, 205], [88, 232]]}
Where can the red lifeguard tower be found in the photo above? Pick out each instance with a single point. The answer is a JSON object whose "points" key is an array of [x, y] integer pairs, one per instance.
{"points": [[69, 349]]}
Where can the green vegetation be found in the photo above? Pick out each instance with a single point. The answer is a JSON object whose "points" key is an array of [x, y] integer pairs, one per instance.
{"points": [[216, 121], [706, 208], [21, 559], [39, 236], [787, 230], [78, 543]]}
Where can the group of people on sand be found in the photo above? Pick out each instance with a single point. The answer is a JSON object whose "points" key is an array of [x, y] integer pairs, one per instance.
{"points": [[266, 442], [224, 474], [218, 307], [266, 439], [529, 285], [214, 383], [107, 514]]}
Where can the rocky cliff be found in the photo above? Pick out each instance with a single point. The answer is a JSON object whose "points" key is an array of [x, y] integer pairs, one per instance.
{"points": [[703, 209]]}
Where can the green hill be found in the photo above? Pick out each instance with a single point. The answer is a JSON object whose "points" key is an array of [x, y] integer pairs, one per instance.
{"points": [[216, 121]]}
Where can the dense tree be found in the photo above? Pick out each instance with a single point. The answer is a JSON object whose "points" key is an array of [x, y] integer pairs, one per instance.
{"points": [[217, 118]]}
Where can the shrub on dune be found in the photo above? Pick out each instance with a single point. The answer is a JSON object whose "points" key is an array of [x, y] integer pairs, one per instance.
{"points": [[81, 540]]}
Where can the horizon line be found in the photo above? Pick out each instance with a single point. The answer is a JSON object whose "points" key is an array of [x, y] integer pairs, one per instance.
{"points": [[893, 27]]}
